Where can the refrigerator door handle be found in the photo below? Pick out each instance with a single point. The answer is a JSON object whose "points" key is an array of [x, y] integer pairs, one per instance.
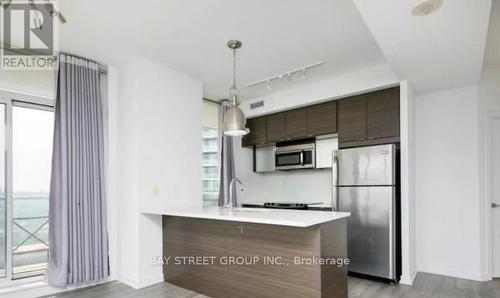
{"points": [[335, 182]]}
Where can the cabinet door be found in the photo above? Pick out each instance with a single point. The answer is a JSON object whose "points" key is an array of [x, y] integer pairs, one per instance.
{"points": [[296, 124], [382, 114], [322, 119], [258, 133], [352, 119], [276, 128]]}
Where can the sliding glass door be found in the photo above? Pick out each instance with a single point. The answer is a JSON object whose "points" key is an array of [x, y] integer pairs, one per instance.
{"points": [[26, 130], [32, 129]]}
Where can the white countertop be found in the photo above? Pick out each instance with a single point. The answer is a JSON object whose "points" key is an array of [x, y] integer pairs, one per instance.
{"points": [[313, 205], [293, 218]]}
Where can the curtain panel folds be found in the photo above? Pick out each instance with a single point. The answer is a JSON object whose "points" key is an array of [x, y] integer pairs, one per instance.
{"points": [[78, 239]]}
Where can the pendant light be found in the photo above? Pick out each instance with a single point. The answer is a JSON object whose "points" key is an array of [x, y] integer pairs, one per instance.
{"points": [[234, 119]]}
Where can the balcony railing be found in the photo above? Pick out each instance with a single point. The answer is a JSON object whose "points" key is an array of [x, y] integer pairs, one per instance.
{"points": [[30, 252]]}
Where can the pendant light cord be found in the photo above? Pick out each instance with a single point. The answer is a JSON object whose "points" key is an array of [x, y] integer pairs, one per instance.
{"points": [[234, 67]]}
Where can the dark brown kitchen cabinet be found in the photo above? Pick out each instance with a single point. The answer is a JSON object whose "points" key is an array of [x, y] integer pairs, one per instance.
{"points": [[322, 119], [276, 128], [352, 119], [363, 120], [296, 124], [258, 132], [382, 108]]}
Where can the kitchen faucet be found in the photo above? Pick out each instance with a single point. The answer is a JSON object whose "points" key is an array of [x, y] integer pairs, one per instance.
{"points": [[231, 186]]}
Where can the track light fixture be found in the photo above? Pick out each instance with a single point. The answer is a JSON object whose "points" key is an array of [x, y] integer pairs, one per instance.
{"points": [[5, 4], [286, 76], [268, 85], [54, 13]]}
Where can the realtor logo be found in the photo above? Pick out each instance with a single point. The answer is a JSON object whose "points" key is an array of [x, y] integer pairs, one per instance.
{"points": [[28, 32]]}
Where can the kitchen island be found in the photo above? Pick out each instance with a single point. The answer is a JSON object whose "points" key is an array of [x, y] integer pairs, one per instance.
{"points": [[240, 252]]}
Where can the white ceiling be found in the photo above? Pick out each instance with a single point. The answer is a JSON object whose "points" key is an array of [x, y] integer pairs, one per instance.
{"points": [[191, 36], [434, 52], [492, 55]]}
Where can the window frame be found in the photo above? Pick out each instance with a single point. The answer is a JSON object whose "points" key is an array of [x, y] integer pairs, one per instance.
{"points": [[11, 99]]}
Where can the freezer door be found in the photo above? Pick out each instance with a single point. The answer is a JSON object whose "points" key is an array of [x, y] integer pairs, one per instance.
{"points": [[375, 165], [370, 229]]}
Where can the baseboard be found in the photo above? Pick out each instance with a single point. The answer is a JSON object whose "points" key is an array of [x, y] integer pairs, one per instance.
{"points": [[408, 279], [485, 277], [41, 288], [142, 282], [469, 276], [151, 280]]}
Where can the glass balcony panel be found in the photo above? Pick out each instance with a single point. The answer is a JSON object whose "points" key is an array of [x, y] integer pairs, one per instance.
{"points": [[32, 156]]}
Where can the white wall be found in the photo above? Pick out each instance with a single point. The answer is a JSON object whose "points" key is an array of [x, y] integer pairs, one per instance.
{"points": [[157, 119], [357, 82], [489, 89], [41, 83], [408, 202], [447, 183]]}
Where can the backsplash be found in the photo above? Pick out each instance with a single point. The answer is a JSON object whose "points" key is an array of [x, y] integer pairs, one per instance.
{"points": [[302, 186]]}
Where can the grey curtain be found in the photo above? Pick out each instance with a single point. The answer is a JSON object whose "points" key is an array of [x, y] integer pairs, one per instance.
{"points": [[78, 241], [226, 161]]}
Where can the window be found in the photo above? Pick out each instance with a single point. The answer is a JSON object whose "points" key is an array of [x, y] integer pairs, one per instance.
{"points": [[210, 154], [26, 129], [32, 129], [3, 197]]}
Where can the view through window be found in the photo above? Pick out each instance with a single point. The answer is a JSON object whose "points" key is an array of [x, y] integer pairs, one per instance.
{"points": [[210, 154], [26, 130], [31, 169], [3, 197]]}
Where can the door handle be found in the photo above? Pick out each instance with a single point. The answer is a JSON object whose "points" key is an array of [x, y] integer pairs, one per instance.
{"points": [[494, 205]]}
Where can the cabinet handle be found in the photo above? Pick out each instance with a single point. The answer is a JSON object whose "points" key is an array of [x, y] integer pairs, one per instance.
{"points": [[371, 138]]}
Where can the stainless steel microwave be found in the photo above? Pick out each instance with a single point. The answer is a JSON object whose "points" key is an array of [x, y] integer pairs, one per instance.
{"points": [[295, 157]]}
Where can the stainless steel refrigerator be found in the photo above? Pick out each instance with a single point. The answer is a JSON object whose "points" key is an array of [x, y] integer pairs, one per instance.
{"points": [[365, 184]]}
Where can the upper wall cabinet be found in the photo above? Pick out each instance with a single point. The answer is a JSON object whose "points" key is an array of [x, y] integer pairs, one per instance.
{"points": [[322, 119], [362, 120], [276, 130], [382, 117], [258, 132], [352, 119], [296, 124], [369, 119]]}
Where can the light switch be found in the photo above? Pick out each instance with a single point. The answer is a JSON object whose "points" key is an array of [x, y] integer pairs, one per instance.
{"points": [[156, 190]]}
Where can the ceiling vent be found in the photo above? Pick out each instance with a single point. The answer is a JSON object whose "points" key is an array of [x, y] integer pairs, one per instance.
{"points": [[425, 7], [257, 104]]}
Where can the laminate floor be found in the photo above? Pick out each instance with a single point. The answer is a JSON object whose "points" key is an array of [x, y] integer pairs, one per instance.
{"points": [[425, 285]]}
